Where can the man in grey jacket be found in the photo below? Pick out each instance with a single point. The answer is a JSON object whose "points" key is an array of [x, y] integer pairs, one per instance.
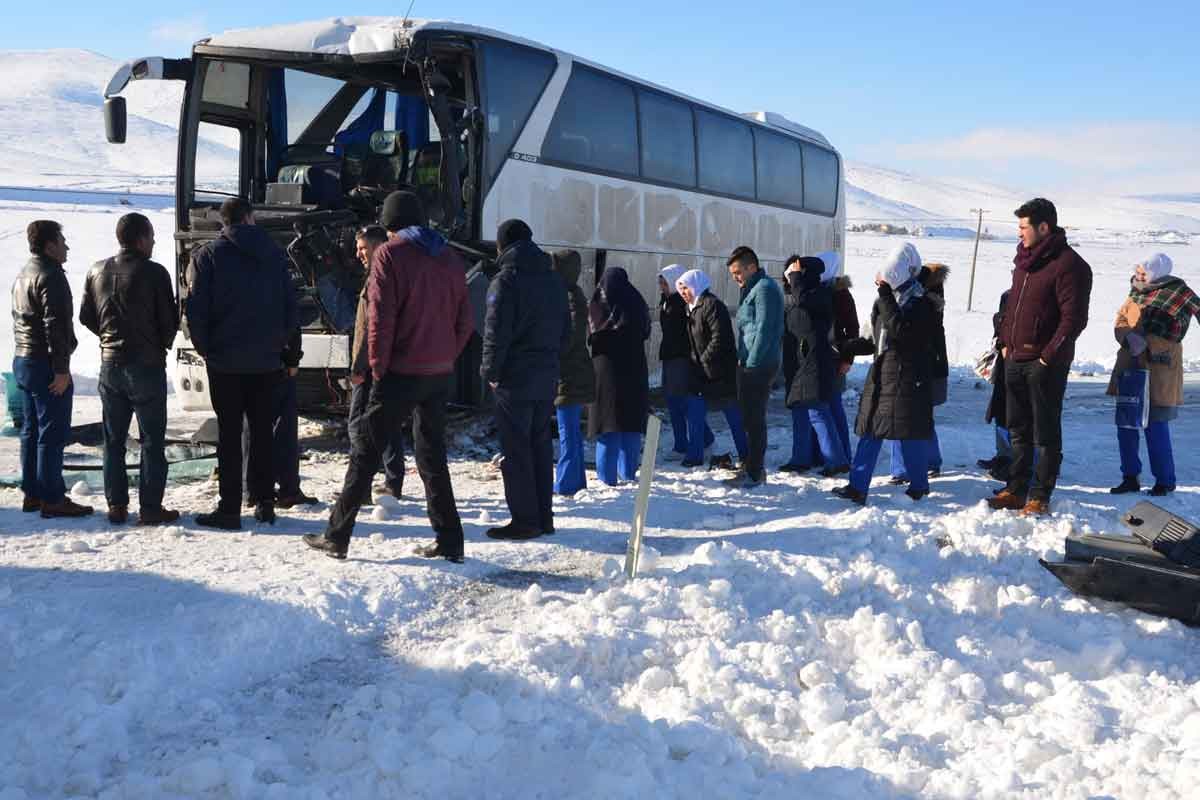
{"points": [[43, 341]]}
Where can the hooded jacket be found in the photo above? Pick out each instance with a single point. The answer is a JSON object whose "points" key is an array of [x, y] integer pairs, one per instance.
{"points": [[808, 353], [129, 304], [528, 325], [672, 317], [618, 325], [241, 304], [418, 315], [42, 314], [760, 323], [1048, 303], [933, 277], [576, 380]]}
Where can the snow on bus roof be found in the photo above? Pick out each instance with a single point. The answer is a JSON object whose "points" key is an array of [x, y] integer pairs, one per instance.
{"points": [[360, 36]]}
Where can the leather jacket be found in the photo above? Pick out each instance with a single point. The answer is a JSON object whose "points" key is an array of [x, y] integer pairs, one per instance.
{"points": [[129, 304], [42, 314]]}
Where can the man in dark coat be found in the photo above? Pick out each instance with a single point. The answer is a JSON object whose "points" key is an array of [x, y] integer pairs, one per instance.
{"points": [[576, 381], [1048, 310], [897, 398], [242, 316], [618, 327], [418, 322], [129, 304], [808, 315], [525, 333], [713, 354], [43, 341]]}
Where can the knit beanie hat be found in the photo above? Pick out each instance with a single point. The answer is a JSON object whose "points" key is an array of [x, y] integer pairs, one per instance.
{"points": [[510, 232], [401, 210]]}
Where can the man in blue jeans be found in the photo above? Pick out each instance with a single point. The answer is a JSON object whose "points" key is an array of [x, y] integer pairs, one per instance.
{"points": [[43, 341], [129, 304]]}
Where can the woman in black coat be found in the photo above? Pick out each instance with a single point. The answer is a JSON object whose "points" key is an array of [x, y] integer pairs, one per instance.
{"points": [[808, 314], [576, 383], [619, 325], [933, 278], [897, 398], [673, 354], [713, 383]]}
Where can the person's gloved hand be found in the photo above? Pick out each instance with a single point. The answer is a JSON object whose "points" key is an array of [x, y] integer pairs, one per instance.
{"points": [[1136, 343]]}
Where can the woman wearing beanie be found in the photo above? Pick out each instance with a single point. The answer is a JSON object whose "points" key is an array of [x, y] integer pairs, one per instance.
{"points": [[619, 325], [674, 354], [1150, 327], [713, 354], [897, 398]]}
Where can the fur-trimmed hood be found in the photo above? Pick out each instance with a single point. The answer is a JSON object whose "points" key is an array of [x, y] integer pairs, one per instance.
{"points": [[938, 273], [841, 283]]}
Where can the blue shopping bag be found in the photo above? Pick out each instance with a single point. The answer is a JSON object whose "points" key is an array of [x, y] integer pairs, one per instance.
{"points": [[1133, 399]]}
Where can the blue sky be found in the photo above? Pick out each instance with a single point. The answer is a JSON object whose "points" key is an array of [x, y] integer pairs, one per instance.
{"points": [[1050, 94]]}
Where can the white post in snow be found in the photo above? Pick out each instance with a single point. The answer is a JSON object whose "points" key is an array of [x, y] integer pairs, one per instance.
{"points": [[975, 255], [649, 456]]}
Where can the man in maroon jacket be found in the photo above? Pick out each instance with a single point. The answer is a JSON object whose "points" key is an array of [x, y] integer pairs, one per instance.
{"points": [[1047, 310], [418, 321]]}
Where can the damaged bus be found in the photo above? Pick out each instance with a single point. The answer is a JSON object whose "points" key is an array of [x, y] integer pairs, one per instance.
{"points": [[319, 121]]}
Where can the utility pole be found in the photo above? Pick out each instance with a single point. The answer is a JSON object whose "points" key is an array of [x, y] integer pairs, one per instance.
{"points": [[975, 255]]}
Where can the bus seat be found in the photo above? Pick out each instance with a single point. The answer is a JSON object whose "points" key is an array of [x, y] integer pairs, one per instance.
{"points": [[322, 183], [386, 163]]}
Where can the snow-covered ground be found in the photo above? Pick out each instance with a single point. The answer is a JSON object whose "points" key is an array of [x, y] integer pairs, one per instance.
{"points": [[778, 643]]}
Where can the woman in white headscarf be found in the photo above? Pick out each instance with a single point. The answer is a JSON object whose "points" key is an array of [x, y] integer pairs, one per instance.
{"points": [[674, 353], [1150, 327], [897, 398]]}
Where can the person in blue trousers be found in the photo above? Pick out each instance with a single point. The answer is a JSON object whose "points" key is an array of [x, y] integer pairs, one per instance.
{"points": [[897, 400], [1150, 327], [933, 277], [576, 380], [618, 325], [808, 314], [674, 355], [713, 363]]}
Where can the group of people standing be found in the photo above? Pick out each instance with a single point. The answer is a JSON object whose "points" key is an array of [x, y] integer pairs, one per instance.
{"points": [[549, 351]]}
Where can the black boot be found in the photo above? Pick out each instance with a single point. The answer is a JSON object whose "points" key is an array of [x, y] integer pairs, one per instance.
{"points": [[224, 520], [318, 541], [265, 512], [848, 492], [435, 551], [915, 494], [1128, 485], [1161, 490], [514, 530]]}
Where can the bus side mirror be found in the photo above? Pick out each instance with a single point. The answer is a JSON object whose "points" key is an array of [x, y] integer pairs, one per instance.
{"points": [[114, 119]]}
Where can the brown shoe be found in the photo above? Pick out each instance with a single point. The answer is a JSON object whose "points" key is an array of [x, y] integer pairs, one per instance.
{"points": [[1036, 508], [118, 515], [31, 504], [67, 508], [1006, 501], [157, 516]]}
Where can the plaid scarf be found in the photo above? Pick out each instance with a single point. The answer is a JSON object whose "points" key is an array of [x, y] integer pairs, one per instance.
{"points": [[1167, 307]]}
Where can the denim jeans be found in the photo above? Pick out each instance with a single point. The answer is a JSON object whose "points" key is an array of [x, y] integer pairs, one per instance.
{"points": [[127, 390], [867, 455], [697, 416], [44, 434], [618, 456], [570, 475], [816, 423]]}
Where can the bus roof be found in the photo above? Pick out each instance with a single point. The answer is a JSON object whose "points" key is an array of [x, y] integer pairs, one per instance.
{"points": [[364, 36]]}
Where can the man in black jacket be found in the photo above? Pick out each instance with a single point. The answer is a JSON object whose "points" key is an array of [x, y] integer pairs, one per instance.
{"points": [[129, 304], [241, 315], [527, 328], [43, 341]]}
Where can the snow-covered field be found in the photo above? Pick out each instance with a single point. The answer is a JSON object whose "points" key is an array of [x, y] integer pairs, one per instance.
{"points": [[778, 643]]}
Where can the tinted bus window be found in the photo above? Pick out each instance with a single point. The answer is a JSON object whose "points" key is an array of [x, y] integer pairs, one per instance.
{"points": [[514, 79], [820, 180], [595, 126], [726, 155], [780, 175], [668, 140]]}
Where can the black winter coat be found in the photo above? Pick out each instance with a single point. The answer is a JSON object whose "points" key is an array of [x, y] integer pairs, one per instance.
{"points": [[128, 302], [527, 326], [622, 374], [42, 314], [933, 278], [808, 315], [713, 351], [241, 304], [576, 380], [673, 317], [997, 410], [897, 401]]}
